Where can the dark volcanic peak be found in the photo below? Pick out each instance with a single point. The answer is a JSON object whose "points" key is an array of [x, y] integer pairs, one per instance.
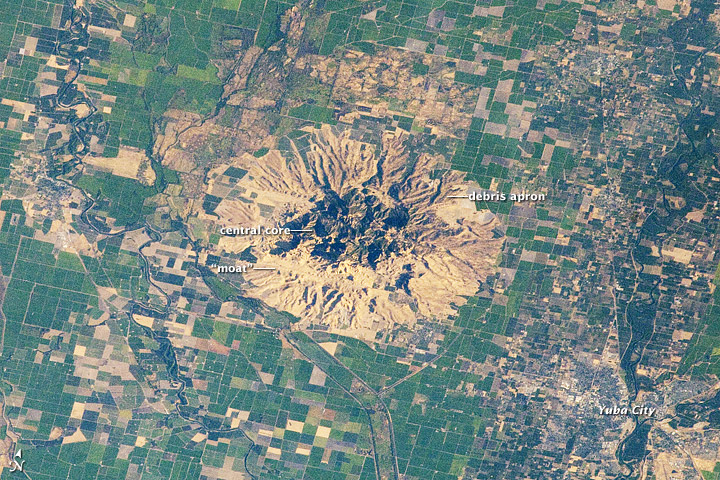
{"points": [[358, 226]]}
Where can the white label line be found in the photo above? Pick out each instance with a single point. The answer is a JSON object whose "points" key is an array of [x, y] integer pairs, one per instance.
{"points": [[264, 268], [458, 196], [301, 230]]}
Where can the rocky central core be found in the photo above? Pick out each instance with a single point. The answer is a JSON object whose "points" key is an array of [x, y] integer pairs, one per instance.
{"points": [[383, 243], [358, 226]]}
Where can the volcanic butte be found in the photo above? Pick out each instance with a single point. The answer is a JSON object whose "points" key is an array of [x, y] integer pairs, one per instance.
{"points": [[380, 242]]}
